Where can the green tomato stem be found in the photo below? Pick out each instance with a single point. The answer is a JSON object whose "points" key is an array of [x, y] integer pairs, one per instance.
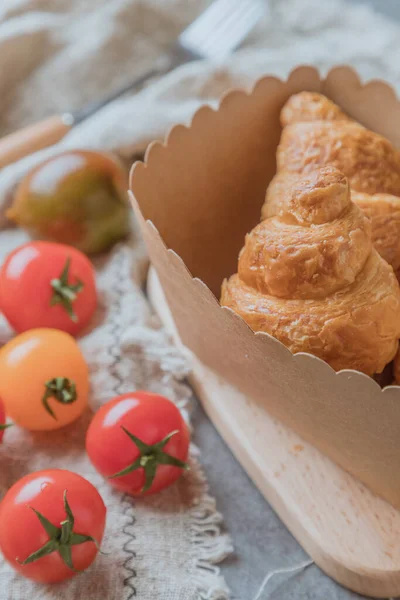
{"points": [[65, 293], [61, 389], [151, 457], [5, 426], [61, 539]]}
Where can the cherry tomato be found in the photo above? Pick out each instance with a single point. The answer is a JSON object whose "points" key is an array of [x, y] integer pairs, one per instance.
{"points": [[140, 441], [51, 525], [47, 285], [44, 381]]}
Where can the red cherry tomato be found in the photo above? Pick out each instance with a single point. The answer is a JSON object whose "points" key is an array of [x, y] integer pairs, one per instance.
{"points": [[140, 441], [47, 285], [51, 525]]}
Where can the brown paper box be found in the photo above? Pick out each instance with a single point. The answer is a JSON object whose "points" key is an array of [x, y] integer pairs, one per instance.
{"points": [[198, 195]]}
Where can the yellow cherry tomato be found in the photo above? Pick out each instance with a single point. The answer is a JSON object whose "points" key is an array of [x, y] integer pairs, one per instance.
{"points": [[44, 380]]}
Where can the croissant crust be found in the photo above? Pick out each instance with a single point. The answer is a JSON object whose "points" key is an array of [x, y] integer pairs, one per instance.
{"points": [[310, 277], [317, 133]]}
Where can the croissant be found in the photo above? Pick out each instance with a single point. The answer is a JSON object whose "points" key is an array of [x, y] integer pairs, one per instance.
{"points": [[317, 133], [310, 277]]}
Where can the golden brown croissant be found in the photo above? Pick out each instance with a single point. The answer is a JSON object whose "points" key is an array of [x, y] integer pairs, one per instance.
{"points": [[310, 277], [317, 133]]}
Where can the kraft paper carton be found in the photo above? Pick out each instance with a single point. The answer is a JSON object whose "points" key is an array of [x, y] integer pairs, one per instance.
{"points": [[196, 196]]}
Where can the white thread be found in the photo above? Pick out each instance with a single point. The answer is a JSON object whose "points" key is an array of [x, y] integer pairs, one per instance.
{"points": [[269, 576]]}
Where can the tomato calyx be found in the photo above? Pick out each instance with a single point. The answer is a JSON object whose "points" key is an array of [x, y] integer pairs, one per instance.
{"points": [[61, 389], [150, 458], [61, 539], [65, 293]]}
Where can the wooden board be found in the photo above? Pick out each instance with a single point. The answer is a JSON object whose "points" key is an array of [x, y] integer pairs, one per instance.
{"points": [[351, 534]]}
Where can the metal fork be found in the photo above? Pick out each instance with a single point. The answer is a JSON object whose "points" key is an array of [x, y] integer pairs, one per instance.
{"points": [[213, 35]]}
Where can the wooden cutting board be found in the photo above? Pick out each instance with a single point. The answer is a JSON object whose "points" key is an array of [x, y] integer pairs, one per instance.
{"points": [[351, 534]]}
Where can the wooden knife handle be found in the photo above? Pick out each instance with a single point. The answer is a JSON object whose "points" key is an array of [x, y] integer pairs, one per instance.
{"points": [[33, 138]]}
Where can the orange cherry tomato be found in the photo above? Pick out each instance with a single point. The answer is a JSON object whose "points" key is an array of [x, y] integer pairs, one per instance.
{"points": [[44, 381]]}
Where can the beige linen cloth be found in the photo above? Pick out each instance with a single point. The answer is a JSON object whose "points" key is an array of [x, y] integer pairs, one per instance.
{"points": [[55, 55]]}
